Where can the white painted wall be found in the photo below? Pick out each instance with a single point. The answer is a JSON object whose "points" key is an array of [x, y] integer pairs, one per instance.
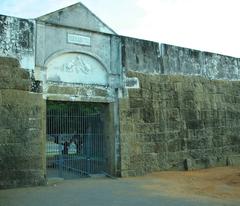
{"points": [[17, 40]]}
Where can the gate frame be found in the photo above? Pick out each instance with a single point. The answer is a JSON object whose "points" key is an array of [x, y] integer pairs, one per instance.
{"points": [[112, 134]]}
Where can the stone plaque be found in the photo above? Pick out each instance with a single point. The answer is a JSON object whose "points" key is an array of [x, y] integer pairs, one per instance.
{"points": [[78, 39], [132, 83]]}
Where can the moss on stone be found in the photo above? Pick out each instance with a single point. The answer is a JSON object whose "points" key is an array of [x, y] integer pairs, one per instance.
{"points": [[180, 118], [22, 130]]}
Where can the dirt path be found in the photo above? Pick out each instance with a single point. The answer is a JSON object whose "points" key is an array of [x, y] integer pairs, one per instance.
{"points": [[221, 183]]}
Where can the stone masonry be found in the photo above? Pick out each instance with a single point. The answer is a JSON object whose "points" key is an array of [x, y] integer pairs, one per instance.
{"points": [[179, 122], [185, 114], [22, 128], [154, 58]]}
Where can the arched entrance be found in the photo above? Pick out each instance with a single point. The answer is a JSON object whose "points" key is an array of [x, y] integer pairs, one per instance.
{"points": [[80, 124]]}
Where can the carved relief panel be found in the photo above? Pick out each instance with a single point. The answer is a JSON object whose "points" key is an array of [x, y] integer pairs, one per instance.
{"points": [[76, 68]]}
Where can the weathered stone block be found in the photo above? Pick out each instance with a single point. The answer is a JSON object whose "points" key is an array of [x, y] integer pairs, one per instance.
{"points": [[10, 62], [151, 162], [194, 124], [127, 128], [160, 148], [19, 162], [23, 98], [147, 114], [136, 103], [4, 135], [148, 147], [173, 125], [147, 94], [217, 141], [14, 78], [135, 93], [202, 143], [176, 145], [157, 137], [18, 178]]}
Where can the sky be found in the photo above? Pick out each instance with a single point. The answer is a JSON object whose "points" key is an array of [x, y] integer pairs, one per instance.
{"points": [[207, 25]]}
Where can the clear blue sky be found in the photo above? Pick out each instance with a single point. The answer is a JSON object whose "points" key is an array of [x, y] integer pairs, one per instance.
{"points": [[210, 25]]}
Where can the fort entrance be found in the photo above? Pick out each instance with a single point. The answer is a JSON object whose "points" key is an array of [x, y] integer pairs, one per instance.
{"points": [[76, 139]]}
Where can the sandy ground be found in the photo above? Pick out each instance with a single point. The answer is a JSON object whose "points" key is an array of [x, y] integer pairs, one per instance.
{"points": [[222, 183]]}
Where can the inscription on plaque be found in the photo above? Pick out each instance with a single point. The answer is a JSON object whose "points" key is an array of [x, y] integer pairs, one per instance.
{"points": [[78, 39], [132, 83]]}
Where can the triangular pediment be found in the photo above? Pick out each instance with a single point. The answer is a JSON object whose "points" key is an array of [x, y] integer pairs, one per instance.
{"points": [[77, 16]]}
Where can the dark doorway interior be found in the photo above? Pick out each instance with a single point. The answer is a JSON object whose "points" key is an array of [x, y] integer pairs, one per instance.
{"points": [[76, 143]]}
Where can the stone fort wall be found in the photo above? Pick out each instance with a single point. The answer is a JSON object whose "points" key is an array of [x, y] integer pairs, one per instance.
{"points": [[151, 57], [175, 122], [185, 115], [22, 128], [186, 112]]}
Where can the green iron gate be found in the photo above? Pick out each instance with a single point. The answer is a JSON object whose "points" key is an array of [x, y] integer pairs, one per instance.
{"points": [[75, 144]]}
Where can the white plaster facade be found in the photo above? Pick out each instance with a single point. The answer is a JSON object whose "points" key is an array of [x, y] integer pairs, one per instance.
{"points": [[76, 68], [74, 48]]}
